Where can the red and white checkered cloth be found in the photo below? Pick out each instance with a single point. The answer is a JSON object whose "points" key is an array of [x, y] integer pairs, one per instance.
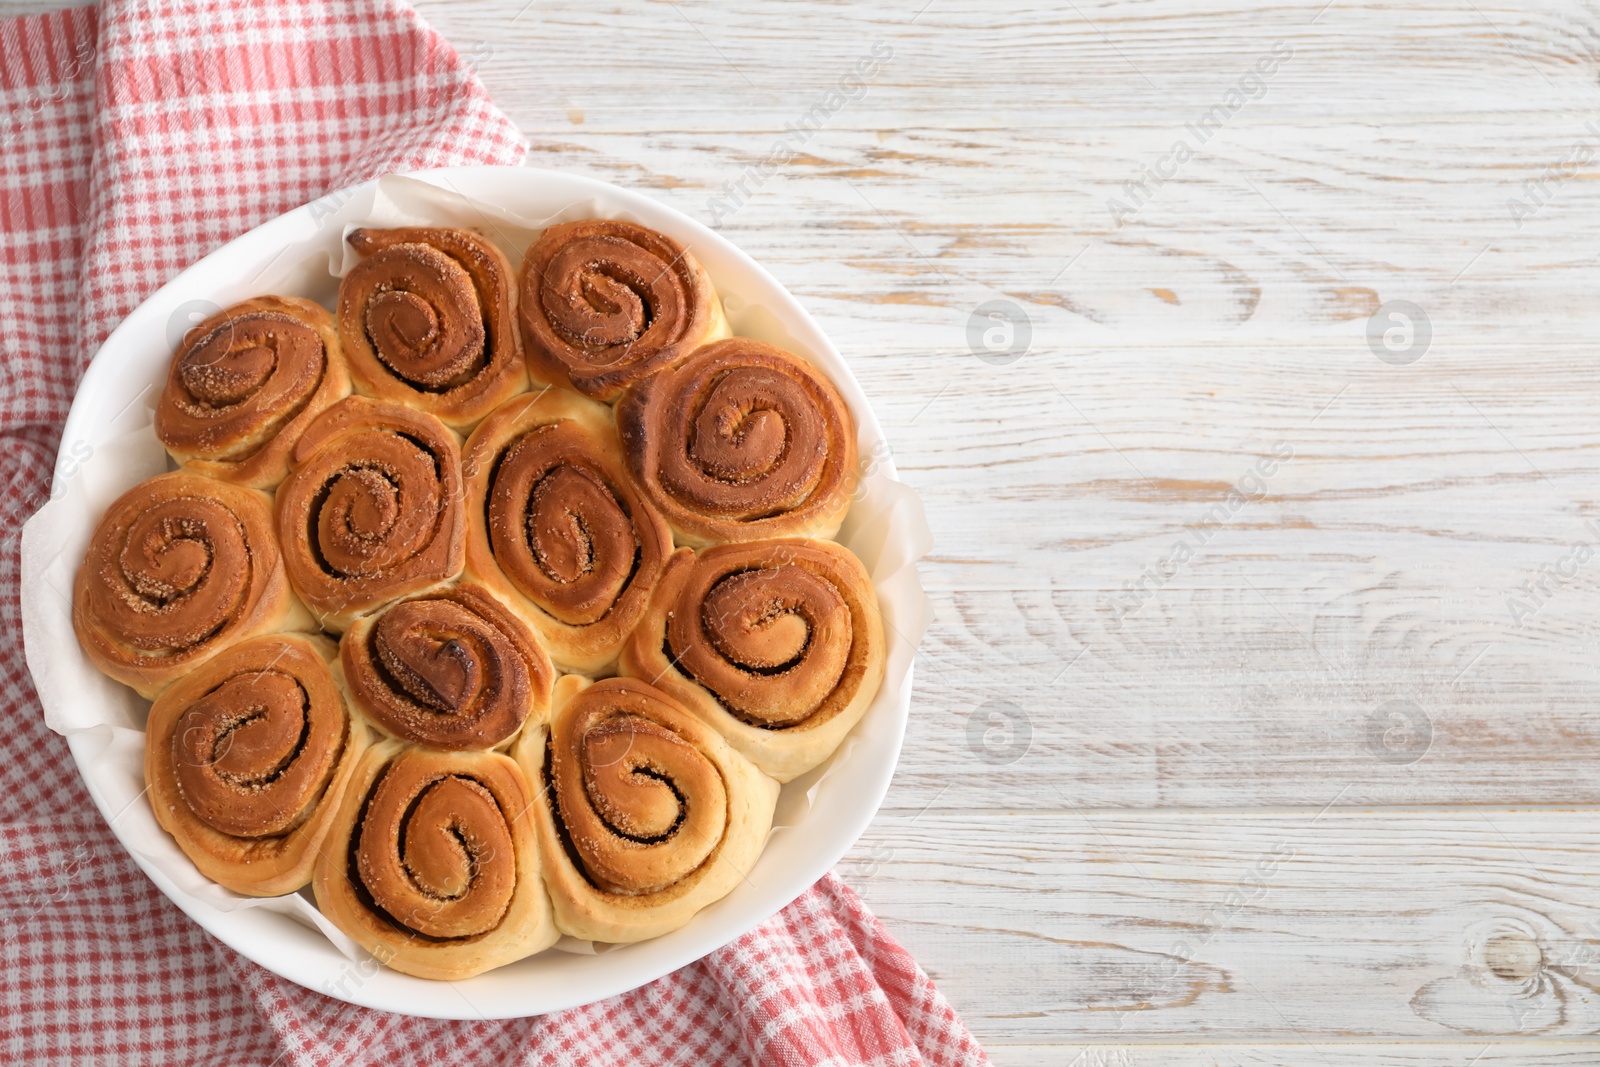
{"points": [[137, 138]]}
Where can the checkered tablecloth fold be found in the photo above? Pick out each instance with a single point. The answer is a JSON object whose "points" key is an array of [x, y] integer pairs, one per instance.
{"points": [[134, 139]]}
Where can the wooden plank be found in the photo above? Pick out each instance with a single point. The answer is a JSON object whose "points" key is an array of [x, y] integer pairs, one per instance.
{"points": [[1247, 925], [1245, 248], [961, 64]]}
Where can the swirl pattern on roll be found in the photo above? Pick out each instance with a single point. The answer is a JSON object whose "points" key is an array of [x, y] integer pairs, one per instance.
{"points": [[428, 318], [432, 866], [744, 441], [245, 759], [564, 534], [643, 807], [372, 510], [605, 303], [778, 644], [245, 383], [179, 568], [454, 670], [647, 815]]}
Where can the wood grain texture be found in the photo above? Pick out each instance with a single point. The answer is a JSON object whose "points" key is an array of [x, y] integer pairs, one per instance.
{"points": [[1321, 790], [1339, 924]]}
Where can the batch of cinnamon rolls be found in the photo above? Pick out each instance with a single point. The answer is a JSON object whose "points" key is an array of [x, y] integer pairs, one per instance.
{"points": [[494, 607]]}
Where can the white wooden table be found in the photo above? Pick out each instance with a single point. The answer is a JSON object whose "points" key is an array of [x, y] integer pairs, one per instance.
{"points": [[1323, 788], [1320, 786]]}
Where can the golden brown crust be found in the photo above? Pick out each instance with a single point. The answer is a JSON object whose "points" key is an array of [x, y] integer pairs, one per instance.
{"points": [[452, 669], [558, 530], [247, 758], [372, 510], [645, 814], [432, 864], [244, 385], [428, 319], [742, 442], [179, 568], [605, 303], [777, 644]]}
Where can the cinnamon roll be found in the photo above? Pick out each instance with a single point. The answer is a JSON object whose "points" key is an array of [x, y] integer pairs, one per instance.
{"points": [[246, 759], [777, 644], [179, 568], [432, 864], [244, 384], [645, 815], [605, 303], [558, 529], [743, 441], [452, 669], [428, 318], [372, 510]]}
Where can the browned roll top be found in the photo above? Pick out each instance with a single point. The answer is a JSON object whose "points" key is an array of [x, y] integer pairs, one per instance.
{"points": [[373, 508], [568, 535], [434, 852], [247, 757], [768, 629], [242, 376], [178, 567], [428, 317], [379, 510], [254, 755], [742, 441], [605, 303], [454, 670], [641, 807]]}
